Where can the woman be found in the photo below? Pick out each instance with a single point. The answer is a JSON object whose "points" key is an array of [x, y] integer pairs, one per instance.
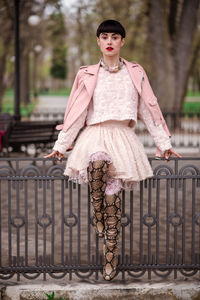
{"points": [[105, 102]]}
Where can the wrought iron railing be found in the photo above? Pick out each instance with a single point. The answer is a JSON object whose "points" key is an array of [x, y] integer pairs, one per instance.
{"points": [[46, 224], [184, 126], [176, 121]]}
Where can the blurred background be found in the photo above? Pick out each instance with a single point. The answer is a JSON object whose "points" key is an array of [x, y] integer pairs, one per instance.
{"points": [[56, 37], [42, 45]]}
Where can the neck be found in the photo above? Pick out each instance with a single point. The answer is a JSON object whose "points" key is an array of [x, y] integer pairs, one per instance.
{"points": [[111, 61]]}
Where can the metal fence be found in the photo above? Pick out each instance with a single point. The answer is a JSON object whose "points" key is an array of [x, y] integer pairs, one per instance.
{"points": [[176, 121], [46, 225], [184, 126], [185, 129]]}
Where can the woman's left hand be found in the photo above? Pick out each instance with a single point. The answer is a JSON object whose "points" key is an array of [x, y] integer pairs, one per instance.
{"points": [[168, 153]]}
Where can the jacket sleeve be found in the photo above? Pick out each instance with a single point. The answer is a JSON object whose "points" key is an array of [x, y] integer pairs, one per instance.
{"points": [[151, 102], [66, 138], [157, 132], [69, 102]]}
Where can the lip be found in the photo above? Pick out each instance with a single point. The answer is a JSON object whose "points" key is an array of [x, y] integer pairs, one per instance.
{"points": [[109, 48]]}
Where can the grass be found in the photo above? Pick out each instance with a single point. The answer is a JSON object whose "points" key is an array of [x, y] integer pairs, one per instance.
{"points": [[8, 102], [191, 107], [61, 92], [193, 94], [52, 297], [8, 105], [25, 110]]}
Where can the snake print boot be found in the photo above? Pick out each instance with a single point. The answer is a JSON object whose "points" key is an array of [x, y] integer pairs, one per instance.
{"points": [[112, 221], [97, 175]]}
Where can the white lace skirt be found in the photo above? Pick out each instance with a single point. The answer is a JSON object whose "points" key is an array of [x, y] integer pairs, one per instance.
{"points": [[116, 142]]}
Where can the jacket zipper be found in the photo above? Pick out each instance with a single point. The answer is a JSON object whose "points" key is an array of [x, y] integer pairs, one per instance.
{"points": [[142, 82]]}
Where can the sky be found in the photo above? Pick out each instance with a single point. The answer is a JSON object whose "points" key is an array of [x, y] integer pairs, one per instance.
{"points": [[68, 3]]}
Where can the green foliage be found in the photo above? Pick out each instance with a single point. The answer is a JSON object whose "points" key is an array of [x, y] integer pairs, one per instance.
{"points": [[58, 68], [8, 105], [52, 297], [191, 107], [57, 30], [193, 94], [60, 92]]}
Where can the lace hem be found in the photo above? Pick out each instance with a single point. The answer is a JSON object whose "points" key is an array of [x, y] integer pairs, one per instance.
{"points": [[81, 176], [113, 184], [100, 155]]}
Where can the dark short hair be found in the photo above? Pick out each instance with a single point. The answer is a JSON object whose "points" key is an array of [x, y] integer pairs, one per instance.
{"points": [[111, 26]]}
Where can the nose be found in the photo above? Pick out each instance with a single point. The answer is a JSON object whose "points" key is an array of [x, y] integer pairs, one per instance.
{"points": [[109, 41]]}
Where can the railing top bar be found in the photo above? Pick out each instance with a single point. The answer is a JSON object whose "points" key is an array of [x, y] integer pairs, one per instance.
{"points": [[44, 159]]}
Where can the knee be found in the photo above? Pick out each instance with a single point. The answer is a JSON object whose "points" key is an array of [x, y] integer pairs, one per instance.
{"points": [[113, 186]]}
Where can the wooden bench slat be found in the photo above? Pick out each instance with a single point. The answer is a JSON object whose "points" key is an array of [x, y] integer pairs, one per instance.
{"points": [[29, 132]]}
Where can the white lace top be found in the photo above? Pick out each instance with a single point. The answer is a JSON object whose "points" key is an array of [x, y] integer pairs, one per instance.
{"points": [[114, 98]]}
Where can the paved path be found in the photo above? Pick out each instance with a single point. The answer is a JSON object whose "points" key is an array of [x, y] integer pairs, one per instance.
{"points": [[49, 108], [130, 290], [51, 103]]}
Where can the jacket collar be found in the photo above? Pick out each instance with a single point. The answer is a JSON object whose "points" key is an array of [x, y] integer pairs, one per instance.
{"points": [[93, 69]]}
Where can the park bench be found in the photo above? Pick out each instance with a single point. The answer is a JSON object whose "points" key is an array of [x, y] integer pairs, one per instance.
{"points": [[20, 134]]}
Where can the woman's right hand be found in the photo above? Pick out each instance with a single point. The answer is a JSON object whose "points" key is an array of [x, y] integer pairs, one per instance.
{"points": [[55, 154]]}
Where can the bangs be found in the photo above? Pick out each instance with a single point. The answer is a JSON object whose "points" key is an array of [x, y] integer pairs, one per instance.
{"points": [[111, 26]]}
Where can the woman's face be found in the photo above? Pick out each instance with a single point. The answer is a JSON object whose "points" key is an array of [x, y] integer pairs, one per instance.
{"points": [[110, 43]]}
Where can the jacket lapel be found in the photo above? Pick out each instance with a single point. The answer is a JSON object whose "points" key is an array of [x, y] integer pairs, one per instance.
{"points": [[92, 71], [136, 74], [90, 81]]}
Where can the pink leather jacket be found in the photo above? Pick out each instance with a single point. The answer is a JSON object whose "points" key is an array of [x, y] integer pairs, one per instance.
{"points": [[83, 89]]}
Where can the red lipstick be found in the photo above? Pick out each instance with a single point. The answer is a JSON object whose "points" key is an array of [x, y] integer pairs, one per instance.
{"points": [[109, 48]]}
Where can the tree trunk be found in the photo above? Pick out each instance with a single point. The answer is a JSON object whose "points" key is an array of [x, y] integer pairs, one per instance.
{"points": [[3, 58], [171, 45], [24, 81]]}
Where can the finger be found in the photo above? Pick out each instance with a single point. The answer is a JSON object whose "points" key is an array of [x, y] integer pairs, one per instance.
{"points": [[52, 154], [49, 155], [60, 156], [175, 153], [166, 155]]}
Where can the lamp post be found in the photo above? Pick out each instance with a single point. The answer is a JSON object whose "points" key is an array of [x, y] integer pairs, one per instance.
{"points": [[36, 52], [17, 115], [33, 21]]}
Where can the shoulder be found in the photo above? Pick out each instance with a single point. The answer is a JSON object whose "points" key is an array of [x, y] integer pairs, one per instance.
{"points": [[139, 68], [88, 69], [82, 67], [80, 71], [130, 63], [134, 65], [137, 65]]}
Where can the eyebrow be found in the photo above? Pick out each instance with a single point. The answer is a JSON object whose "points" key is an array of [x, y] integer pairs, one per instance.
{"points": [[105, 33]]}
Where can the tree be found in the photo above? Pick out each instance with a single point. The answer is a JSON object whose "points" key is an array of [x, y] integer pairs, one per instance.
{"points": [[57, 30], [31, 38], [172, 27], [6, 25]]}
